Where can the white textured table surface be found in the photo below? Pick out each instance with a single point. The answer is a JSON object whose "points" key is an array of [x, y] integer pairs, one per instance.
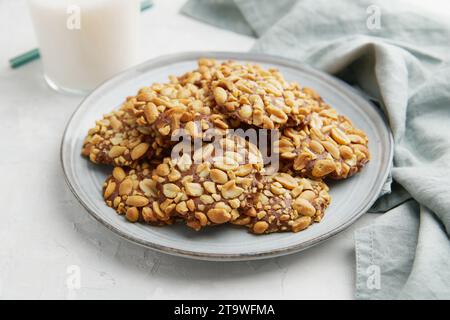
{"points": [[44, 232]]}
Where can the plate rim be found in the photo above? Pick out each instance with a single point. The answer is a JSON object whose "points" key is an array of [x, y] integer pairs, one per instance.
{"points": [[343, 87]]}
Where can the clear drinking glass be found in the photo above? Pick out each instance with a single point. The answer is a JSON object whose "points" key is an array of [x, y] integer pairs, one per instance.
{"points": [[84, 42]]}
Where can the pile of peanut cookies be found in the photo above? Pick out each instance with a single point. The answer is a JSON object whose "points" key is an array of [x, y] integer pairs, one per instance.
{"points": [[223, 180]]}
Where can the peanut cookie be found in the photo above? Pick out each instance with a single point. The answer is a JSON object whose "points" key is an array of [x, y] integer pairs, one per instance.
{"points": [[327, 146], [262, 98], [114, 138], [118, 140], [285, 203], [133, 193], [211, 186]]}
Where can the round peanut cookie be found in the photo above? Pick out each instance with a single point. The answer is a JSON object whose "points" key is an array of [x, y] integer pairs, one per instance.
{"points": [[118, 140], [210, 186], [123, 137], [180, 108], [327, 146], [262, 98], [285, 203], [113, 139], [133, 193]]}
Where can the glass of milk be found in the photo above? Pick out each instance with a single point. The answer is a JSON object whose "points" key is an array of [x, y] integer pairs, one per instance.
{"points": [[84, 42]]}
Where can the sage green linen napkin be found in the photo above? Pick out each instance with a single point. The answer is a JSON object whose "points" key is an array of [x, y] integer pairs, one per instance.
{"points": [[399, 57]]}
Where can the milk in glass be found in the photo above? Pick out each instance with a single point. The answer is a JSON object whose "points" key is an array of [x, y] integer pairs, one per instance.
{"points": [[85, 42]]}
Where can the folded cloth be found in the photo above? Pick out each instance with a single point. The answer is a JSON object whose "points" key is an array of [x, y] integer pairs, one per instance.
{"points": [[399, 57]]}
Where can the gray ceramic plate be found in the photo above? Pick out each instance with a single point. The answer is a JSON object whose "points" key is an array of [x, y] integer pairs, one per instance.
{"points": [[350, 198]]}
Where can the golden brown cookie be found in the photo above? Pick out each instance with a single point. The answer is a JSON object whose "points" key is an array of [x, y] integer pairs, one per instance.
{"points": [[260, 97], [209, 187], [285, 203], [118, 140], [124, 136], [327, 146], [133, 193]]}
